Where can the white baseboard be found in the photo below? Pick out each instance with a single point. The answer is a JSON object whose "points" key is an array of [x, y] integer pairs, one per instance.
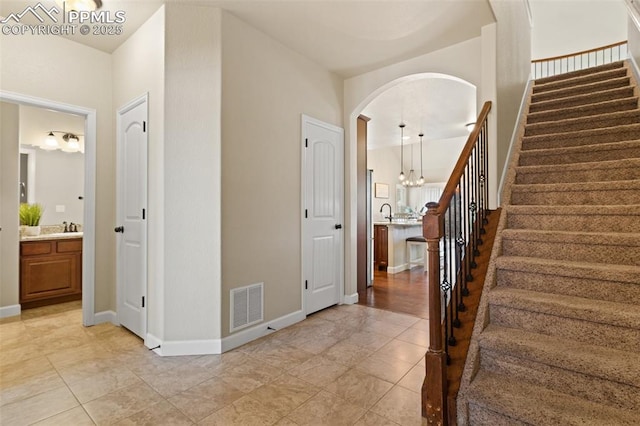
{"points": [[9, 311], [260, 330], [217, 346], [350, 299], [105, 316], [396, 269]]}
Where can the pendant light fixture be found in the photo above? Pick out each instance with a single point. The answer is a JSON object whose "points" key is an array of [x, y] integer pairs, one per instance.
{"points": [[421, 179], [411, 179], [402, 177]]}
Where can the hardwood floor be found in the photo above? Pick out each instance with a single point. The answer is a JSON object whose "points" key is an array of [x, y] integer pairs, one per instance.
{"points": [[404, 292]]}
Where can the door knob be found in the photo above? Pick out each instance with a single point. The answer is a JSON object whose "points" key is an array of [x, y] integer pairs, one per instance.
{"points": [[338, 226], [119, 229]]}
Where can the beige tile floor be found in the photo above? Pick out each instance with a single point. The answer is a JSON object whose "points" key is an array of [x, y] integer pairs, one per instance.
{"points": [[348, 365]]}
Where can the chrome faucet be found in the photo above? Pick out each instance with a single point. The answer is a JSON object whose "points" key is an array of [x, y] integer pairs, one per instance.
{"points": [[390, 217]]}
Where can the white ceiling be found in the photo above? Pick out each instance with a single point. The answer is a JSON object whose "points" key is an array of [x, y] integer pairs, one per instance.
{"points": [[350, 38], [438, 106]]}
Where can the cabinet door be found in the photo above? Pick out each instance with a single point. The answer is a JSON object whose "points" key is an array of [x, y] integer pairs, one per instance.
{"points": [[380, 247], [50, 276]]}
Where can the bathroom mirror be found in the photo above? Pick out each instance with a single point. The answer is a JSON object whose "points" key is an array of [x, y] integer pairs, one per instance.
{"points": [[27, 175]]}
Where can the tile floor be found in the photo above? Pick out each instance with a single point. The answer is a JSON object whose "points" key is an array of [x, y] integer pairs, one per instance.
{"points": [[347, 365]]}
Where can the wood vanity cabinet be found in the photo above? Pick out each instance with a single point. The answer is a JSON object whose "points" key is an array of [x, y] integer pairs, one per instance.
{"points": [[50, 271], [380, 247]]}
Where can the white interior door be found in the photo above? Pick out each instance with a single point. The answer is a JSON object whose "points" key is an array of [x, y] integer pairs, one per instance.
{"points": [[131, 214], [323, 165]]}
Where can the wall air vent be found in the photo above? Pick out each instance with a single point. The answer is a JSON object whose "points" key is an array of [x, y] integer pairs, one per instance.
{"points": [[246, 306]]}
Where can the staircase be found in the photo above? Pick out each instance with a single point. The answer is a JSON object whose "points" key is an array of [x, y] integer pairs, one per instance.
{"points": [[557, 340]]}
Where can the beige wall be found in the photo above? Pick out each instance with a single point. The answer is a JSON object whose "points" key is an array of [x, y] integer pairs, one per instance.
{"points": [[513, 50], [192, 183], [569, 26], [40, 66], [138, 68], [266, 89], [9, 201]]}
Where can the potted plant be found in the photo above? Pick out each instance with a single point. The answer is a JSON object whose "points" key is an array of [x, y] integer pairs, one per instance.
{"points": [[30, 215]]}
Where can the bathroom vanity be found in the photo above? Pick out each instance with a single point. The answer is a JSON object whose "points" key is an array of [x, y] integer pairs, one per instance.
{"points": [[50, 269]]}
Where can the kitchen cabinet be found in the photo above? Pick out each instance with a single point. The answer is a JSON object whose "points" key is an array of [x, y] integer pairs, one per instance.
{"points": [[50, 271], [380, 247]]}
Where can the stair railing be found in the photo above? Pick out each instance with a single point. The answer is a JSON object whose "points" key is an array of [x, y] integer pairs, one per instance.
{"points": [[548, 67], [453, 228]]}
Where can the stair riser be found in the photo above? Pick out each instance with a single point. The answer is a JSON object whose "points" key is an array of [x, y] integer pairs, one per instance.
{"points": [[575, 223], [590, 110], [593, 78], [570, 382], [578, 139], [586, 156], [580, 73], [586, 331], [626, 92], [575, 176], [566, 198], [479, 415], [596, 289], [631, 117], [573, 90], [572, 251]]}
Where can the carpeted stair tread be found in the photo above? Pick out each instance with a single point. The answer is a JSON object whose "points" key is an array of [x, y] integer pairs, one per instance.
{"points": [[620, 273], [614, 283], [620, 133], [570, 77], [562, 306], [595, 247], [589, 87], [599, 361], [581, 154], [587, 218], [624, 192], [583, 123], [626, 169], [535, 405], [589, 78], [608, 106], [583, 99]]}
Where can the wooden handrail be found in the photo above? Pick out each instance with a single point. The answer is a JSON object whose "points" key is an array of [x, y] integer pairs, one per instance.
{"points": [[555, 58], [472, 158], [458, 170]]}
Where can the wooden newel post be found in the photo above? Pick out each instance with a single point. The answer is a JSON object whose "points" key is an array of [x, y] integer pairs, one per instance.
{"points": [[434, 388]]}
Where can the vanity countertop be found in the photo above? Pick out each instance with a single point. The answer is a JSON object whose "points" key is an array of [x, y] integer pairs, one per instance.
{"points": [[54, 236]]}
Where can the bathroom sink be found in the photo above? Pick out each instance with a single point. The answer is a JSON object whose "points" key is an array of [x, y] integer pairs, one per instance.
{"points": [[56, 235]]}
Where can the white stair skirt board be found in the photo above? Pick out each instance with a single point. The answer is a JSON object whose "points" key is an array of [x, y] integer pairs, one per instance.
{"points": [[9, 311]]}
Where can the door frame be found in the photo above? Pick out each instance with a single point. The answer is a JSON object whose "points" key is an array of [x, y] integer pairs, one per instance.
{"points": [[89, 225], [305, 119], [144, 98]]}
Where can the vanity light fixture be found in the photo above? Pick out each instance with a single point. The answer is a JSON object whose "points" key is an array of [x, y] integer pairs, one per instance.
{"points": [[72, 142], [402, 177], [421, 179], [50, 143]]}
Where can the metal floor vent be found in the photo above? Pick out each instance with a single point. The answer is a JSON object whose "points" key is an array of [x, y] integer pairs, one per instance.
{"points": [[246, 306]]}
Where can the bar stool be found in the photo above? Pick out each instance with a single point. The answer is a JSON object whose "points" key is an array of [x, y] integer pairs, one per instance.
{"points": [[420, 242]]}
